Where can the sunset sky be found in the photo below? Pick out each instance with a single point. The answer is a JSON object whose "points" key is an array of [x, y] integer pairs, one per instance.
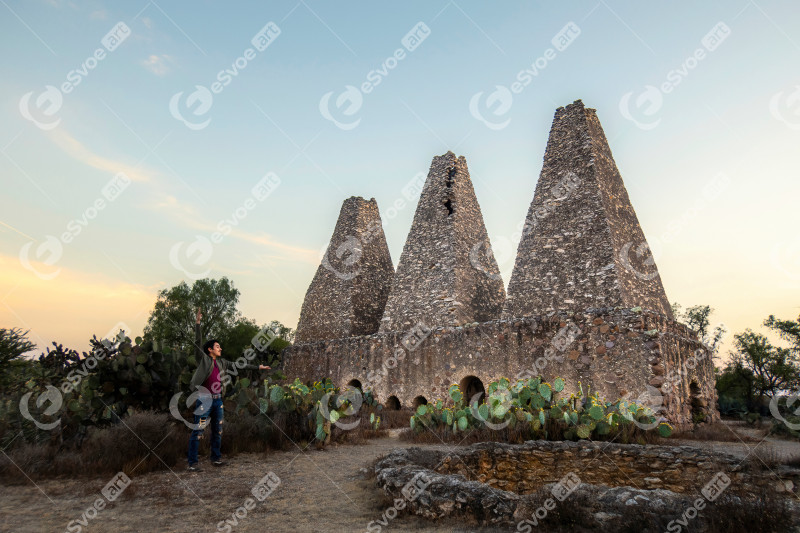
{"points": [[125, 145]]}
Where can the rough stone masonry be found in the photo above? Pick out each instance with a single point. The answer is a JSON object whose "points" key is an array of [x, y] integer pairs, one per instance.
{"points": [[582, 245], [585, 301], [349, 290], [436, 284]]}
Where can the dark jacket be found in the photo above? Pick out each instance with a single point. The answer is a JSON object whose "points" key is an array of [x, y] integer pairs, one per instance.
{"points": [[205, 364]]}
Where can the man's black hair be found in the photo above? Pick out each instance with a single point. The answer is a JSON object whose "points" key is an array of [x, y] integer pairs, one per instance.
{"points": [[208, 345]]}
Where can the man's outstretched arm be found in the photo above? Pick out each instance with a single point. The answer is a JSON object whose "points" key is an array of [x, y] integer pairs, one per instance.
{"points": [[257, 367]]}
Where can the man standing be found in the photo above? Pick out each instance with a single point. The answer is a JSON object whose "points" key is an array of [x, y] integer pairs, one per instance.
{"points": [[208, 380]]}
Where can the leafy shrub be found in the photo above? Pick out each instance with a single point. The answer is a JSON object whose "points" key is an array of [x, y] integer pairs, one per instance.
{"points": [[732, 406], [781, 429]]}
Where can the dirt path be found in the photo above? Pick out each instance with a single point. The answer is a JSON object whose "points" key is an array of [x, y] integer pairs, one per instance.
{"points": [[753, 443], [318, 491]]}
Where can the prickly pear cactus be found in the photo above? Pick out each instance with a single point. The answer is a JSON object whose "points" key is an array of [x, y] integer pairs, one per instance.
{"points": [[535, 406]]}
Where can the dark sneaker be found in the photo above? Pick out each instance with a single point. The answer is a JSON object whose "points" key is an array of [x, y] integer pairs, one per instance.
{"points": [[218, 462], [194, 468]]}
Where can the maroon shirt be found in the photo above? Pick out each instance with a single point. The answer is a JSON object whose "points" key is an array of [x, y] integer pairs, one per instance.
{"points": [[213, 382]]}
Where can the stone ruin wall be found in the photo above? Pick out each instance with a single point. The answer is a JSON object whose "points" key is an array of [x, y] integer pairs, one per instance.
{"points": [[502, 484], [582, 264], [614, 352], [524, 468]]}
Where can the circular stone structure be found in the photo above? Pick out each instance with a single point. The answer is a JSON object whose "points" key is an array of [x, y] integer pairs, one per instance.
{"points": [[519, 484]]}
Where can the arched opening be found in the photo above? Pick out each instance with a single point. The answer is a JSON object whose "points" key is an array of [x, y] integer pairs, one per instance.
{"points": [[419, 400], [392, 403], [471, 387], [355, 384], [697, 403]]}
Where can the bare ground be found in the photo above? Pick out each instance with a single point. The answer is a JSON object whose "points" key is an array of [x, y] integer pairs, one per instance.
{"points": [[747, 442], [319, 491]]}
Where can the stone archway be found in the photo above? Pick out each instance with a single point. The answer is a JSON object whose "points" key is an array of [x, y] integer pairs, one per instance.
{"points": [[419, 400], [470, 387], [392, 403]]}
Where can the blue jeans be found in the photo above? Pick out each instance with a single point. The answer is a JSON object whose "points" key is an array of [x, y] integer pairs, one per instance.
{"points": [[205, 409]]}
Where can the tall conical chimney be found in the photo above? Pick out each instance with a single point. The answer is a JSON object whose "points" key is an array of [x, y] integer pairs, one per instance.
{"points": [[349, 291], [447, 275], [582, 246]]}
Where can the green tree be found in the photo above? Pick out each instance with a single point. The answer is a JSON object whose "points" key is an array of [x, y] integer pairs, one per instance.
{"points": [[13, 344], [758, 368], [789, 330], [172, 320], [774, 368], [698, 319], [238, 338], [735, 389], [242, 336]]}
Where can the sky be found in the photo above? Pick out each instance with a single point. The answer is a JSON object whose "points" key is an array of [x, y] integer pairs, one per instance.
{"points": [[145, 143]]}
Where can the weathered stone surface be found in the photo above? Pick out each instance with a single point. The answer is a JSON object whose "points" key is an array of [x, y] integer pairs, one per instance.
{"points": [[585, 302], [436, 284], [425, 363], [504, 484], [582, 245], [349, 291]]}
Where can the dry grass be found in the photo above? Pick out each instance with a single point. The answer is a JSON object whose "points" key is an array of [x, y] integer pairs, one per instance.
{"points": [[725, 515], [728, 514], [150, 441], [446, 435], [398, 419], [718, 432], [766, 457], [145, 442], [766, 514]]}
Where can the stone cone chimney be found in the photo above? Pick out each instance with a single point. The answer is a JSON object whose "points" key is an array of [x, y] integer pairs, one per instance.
{"points": [[582, 245], [447, 275], [349, 291]]}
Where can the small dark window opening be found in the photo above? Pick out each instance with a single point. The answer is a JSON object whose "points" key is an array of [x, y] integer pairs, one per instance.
{"points": [[449, 205]]}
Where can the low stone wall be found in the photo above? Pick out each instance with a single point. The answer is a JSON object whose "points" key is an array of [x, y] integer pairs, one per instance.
{"points": [[524, 469], [616, 352], [506, 484]]}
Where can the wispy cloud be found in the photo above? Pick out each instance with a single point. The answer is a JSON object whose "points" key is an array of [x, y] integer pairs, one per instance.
{"points": [[183, 214], [5, 227], [75, 149], [187, 216], [158, 64], [292, 252]]}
